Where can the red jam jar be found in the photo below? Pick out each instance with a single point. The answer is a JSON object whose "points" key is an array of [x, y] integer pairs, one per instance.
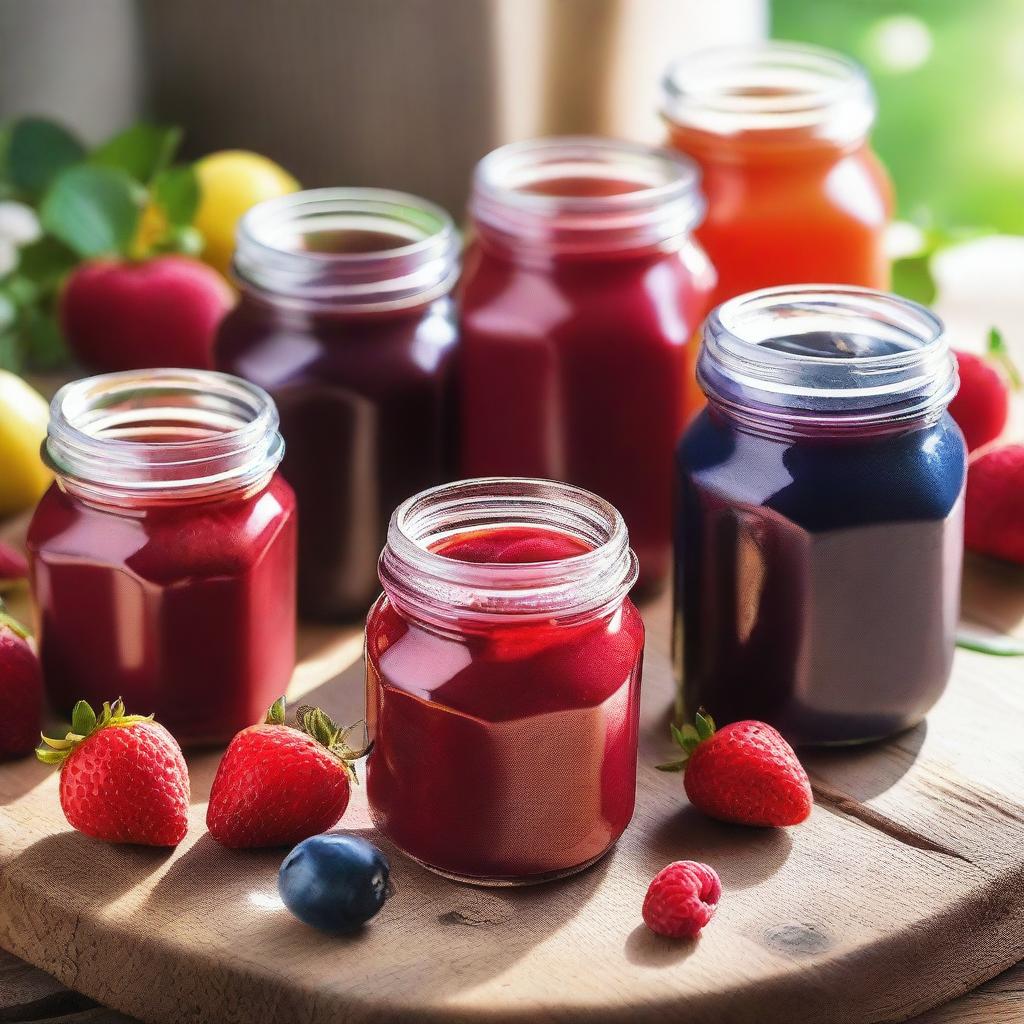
{"points": [[580, 297], [794, 191], [163, 556], [503, 681], [345, 319]]}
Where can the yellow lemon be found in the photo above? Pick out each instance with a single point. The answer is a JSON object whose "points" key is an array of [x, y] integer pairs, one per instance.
{"points": [[23, 418], [230, 182]]}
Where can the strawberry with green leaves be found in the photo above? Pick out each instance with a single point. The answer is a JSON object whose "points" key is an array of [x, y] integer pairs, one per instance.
{"points": [[277, 784], [123, 778], [744, 773]]}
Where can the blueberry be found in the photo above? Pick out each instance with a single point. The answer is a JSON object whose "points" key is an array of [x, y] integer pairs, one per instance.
{"points": [[334, 882]]}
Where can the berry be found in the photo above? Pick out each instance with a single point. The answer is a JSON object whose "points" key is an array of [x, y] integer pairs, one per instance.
{"points": [[681, 899], [21, 690], [121, 315], [277, 785], [982, 405], [13, 566], [994, 514], [335, 882], [122, 777], [744, 773]]}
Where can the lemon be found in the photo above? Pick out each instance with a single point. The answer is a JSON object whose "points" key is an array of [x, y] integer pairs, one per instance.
{"points": [[23, 418], [230, 182]]}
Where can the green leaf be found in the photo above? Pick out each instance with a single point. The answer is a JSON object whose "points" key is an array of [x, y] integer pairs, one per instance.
{"points": [[1000, 645], [46, 261], [93, 210], [276, 713], [37, 151], [912, 277], [998, 350], [83, 718], [672, 766], [176, 192], [43, 338], [11, 356], [8, 311], [142, 151], [50, 756], [705, 725]]}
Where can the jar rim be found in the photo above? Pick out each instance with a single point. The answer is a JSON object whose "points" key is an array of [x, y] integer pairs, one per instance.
{"points": [[96, 438], [268, 257], [664, 200], [820, 357], [438, 587], [770, 90]]}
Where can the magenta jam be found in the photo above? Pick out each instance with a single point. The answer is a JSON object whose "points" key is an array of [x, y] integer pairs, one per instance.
{"points": [[163, 557], [503, 670], [346, 321], [581, 293]]}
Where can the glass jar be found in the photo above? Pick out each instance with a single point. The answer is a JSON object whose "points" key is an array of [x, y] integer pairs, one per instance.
{"points": [[581, 293], [163, 556], [345, 319], [820, 531], [503, 681], [794, 191]]}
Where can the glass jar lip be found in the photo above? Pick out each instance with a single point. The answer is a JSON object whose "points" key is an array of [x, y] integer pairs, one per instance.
{"points": [[88, 447], [437, 587], [403, 275], [912, 374], [769, 89], [666, 204]]}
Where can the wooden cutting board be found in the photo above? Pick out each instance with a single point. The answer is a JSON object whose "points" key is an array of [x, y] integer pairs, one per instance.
{"points": [[903, 890]]}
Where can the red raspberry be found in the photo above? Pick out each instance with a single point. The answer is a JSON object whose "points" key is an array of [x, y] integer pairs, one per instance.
{"points": [[681, 899]]}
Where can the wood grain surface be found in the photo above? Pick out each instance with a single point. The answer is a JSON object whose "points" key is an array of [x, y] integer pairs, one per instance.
{"points": [[903, 891]]}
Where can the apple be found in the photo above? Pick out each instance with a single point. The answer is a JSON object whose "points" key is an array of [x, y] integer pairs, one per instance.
{"points": [[133, 315]]}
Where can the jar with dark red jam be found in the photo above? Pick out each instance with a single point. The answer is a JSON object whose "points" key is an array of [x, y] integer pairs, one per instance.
{"points": [[580, 297], [345, 319], [163, 556], [820, 531], [503, 681]]}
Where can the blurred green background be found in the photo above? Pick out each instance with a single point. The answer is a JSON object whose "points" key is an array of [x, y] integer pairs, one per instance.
{"points": [[950, 81]]}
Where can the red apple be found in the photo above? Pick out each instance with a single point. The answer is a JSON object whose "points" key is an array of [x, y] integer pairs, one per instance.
{"points": [[123, 315]]}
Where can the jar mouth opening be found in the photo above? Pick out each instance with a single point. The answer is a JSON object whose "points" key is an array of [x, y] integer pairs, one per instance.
{"points": [[415, 576], [162, 430], [827, 354], [362, 248], [568, 189], [769, 87]]}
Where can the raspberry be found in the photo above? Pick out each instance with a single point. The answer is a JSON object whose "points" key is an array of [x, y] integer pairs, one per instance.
{"points": [[681, 899]]}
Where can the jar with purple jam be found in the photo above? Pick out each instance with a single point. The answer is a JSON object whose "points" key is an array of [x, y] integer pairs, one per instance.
{"points": [[345, 318], [819, 531]]}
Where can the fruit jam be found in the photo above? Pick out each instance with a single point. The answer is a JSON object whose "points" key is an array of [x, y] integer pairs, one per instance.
{"points": [[163, 558], [820, 528], [346, 321], [580, 296], [503, 680], [794, 191]]}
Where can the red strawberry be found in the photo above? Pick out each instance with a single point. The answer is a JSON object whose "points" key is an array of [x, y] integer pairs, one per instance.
{"points": [[746, 773], [13, 566], [681, 899], [982, 405], [277, 785], [994, 515], [122, 777], [21, 690]]}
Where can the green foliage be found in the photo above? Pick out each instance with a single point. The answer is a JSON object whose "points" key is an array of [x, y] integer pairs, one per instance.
{"points": [[36, 151]]}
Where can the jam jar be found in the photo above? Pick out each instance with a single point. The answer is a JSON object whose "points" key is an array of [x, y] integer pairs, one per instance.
{"points": [[163, 556], [820, 528], [345, 319], [503, 669], [794, 191], [580, 297]]}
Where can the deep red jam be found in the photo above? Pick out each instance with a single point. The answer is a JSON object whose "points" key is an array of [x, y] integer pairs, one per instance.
{"points": [[504, 750]]}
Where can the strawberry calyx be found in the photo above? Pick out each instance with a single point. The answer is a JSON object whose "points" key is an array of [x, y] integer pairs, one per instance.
{"points": [[318, 725], [85, 723], [999, 352], [689, 738]]}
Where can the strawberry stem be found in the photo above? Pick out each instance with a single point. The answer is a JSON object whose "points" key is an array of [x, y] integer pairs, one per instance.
{"points": [[999, 351]]}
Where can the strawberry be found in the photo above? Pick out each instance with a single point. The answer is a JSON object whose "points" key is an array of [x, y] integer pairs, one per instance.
{"points": [[994, 513], [277, 785], [21, 690], [982, 405], [13, 566], [745, 773], [122, 777]]}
